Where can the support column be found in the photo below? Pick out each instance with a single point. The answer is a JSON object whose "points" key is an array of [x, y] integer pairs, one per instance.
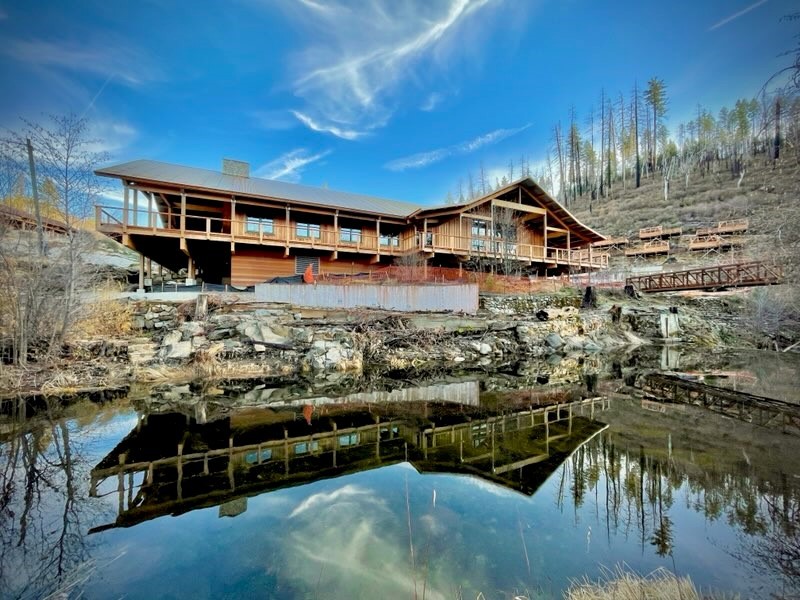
{"points": [[545, 239], [190, 276], [125, 203], [148, 272], [183, 213], [135, 207], [140, 288]]}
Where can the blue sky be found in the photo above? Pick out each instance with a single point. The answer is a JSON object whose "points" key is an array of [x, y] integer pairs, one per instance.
{"points": [[386, 97]]}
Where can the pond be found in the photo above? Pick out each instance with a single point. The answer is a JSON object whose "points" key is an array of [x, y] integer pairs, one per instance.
{"points": [[493, 485]]}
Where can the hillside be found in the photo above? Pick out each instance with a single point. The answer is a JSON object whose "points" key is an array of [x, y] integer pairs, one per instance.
{"points": [[768, 196]]}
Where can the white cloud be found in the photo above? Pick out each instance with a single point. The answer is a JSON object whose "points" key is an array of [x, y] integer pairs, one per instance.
{"points": [[110, 136], [289, 166], [736, 15], [347, 492], [349, 80], [423, 159], [106, 58], [345, 134]]}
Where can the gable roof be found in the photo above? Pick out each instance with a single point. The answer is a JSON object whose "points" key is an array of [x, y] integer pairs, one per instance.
{"points": [[152, 171], [547, 201]]}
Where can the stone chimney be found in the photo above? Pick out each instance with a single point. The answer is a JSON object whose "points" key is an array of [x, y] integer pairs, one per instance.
{"points": [[235, 167]]}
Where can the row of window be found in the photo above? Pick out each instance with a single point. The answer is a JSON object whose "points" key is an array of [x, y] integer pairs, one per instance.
{"points": [[350, 439], [481, 229], [314, 231]]}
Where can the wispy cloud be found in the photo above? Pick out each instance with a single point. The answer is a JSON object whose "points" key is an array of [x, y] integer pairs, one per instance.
{"points": [[423, 159], [111, 136], [289, 166], [340, 132], [350, 81], [105, 58], [432, 101], [734, 16]]}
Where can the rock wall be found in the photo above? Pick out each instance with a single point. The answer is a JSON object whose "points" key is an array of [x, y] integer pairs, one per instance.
{"points": [[354, 342], [526, 304]]}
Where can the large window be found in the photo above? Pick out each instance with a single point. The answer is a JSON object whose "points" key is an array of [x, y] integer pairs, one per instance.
{"points": [[478, 245], [350, 235], [307, 230], [256, 224], [392, 240], [480, 228]]}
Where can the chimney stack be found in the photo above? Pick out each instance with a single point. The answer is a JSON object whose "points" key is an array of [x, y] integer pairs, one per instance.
{"points": [[235, 167]]}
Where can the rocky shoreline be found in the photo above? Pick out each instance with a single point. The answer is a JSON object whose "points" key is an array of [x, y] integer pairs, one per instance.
{"points": [[173, 342]]}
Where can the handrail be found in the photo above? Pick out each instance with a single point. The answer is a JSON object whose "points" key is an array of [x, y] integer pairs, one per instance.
{"points": [[328, 238]]}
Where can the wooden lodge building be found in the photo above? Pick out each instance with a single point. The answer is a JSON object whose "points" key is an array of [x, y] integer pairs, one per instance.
{"points": [[229, 227]]}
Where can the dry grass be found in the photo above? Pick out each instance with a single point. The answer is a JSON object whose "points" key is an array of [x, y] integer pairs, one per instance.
{"points": [[620, 584], [105, 317]]}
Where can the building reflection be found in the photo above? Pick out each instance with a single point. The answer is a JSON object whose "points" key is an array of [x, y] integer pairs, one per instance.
{"points": [[171, 463]]}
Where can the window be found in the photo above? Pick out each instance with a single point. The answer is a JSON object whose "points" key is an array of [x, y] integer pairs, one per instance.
{"points": [[480, 228], [252, 225], [478, 245], [307, 230], [350, 439], [390, 240], [305, 447], [350, 235]]}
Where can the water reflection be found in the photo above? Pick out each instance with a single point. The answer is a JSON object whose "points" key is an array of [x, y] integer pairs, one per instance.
{"points": [[171, 463], [460, 488]]}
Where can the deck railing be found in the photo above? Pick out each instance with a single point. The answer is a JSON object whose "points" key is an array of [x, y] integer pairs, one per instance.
{"points": [[142, 221], [117, 220], [499, 249]]}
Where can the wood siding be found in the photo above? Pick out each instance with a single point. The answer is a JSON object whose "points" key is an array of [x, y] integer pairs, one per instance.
{"points": [[251, 266]]}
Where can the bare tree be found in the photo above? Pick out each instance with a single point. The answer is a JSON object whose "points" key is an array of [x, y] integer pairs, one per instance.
{"points": [[39, 293]]}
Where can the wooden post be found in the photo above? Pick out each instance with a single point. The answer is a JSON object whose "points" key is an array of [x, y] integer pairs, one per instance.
{"points": [[545, 236], [140, 289], [125, 203], [183, 213], [135, 207], [190, 274], [288, 226], [233, 219]]}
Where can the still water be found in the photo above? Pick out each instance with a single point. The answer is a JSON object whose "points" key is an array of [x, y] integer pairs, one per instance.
{"points": [[444, 490]]}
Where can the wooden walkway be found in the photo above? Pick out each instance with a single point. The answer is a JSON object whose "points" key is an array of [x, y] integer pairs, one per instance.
{"points": [[709, 278], [759, 410]]}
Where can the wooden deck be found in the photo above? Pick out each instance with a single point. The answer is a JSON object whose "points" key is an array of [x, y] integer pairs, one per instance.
{"points": [[110, 221], [713, 242], [710, 278], [612, 242], [725, 227], [659, 231], [759, 410], [655, 246]]}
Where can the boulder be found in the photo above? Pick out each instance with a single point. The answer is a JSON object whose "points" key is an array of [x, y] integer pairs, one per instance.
{"points": [[554, 341], [260, 332]]}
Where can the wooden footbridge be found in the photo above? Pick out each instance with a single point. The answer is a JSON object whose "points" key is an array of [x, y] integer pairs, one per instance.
{"points": [[759, 410], [718, 277]]}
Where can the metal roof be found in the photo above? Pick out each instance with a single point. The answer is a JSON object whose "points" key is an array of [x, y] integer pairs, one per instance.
{"points": [[152, 171], [202, 179]]}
